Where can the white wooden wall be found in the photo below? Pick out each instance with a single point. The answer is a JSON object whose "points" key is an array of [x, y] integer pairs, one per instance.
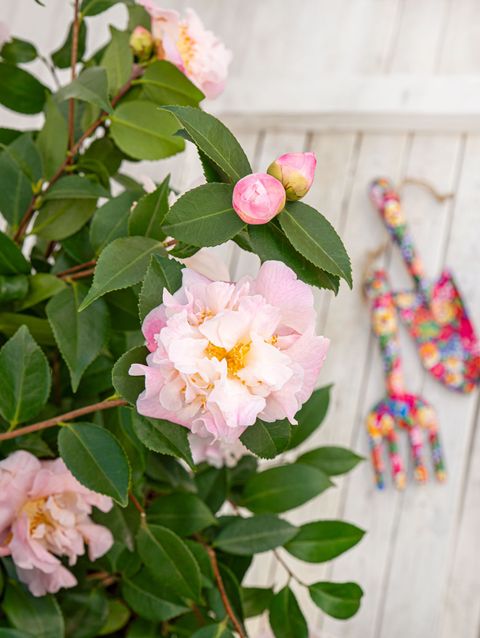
{"points": [[374, 87]]}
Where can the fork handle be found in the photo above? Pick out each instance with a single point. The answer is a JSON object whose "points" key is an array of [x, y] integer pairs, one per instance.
{"points": [[387, 201]]}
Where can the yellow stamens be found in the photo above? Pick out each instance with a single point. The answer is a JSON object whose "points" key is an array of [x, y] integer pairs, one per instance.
{"points": [[235, 357], [186, 46], [35, 510]]}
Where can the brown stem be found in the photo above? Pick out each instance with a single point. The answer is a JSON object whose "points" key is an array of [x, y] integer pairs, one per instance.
{"points": [[68, 416], [79, 275], [73, 64], [223, 593], [136, 504], [76, 268], [287, 569]]}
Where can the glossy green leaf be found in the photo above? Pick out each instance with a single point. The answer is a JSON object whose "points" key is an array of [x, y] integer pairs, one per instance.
{"points": [[162, 272], [183, 513], [219, 630], [96, 459], [18, 51], [212, 486], [12, 261], [9, 135], [143, 131], [94, 7], [41, 286], [6, 632], [310, 416], [118, 616], [85, 612], [52, 139], [149, 214], [142, 594], [270, 242], [79, 336], [246, 536], [129, 387], [331, 460], [339, 600], [24, 378], [75, 186], [13, 288], [117, 60], [163, 437], [282, 488], [91, 86], [167, 556], [204, 216], [18, 175], [40, 617], [286, 618], [121, 264], [214, 140], [61, 218], [62, 57], [267, 440], [21, 91], [163, 84], [40, 329], [256, 600], [312, 235], [110, 221], [320, 541]]}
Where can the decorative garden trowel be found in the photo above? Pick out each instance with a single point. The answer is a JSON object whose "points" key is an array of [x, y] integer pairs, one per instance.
{"points": [[434, 314], [398, 409]]}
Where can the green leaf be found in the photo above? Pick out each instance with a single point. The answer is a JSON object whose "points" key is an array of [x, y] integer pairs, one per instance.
{"points": [[143, 131], [162, 273], [269, 242], [127, 386], [323, 540], [282, 488], [40, 329], [164, 437], [316, 239], [13, 288], [96, 459], [331, 460], [74, 186], [167, 556], [21, 91], [20, 166], [310, 416], [94, 7], [142, 594], [79, 336], [9, 135], [91, 86], [267, 440], [164, 84], [256, 600], [52, 140], [40, 617], [85, 612], [103, 150], [62, 218], [339, 600], [62, 57], [118, 616], [204, 216], [110, 221], [247, 536], [18, 51], [41, 286], [149, 214], [184, 514], [214, 140], [286, 618], [219, 630], [212, 486], [12, 261], [117, 60], [121, 264], [5, 632], [24, 378]]}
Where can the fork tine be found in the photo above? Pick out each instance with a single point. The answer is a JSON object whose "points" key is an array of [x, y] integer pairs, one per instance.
{"points": [[381, 426], [427, 419]]}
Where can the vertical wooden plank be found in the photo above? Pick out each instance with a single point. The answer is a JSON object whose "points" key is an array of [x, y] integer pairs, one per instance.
{"points": [[461, 46]]}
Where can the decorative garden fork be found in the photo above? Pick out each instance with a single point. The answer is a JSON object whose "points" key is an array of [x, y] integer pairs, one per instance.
{"points": [[398, 408]]}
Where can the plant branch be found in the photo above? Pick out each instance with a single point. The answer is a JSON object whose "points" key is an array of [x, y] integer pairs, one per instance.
{"points": [[87, 264], [79, 275], [287, 569], [68, 416], [221, 588], [136, 504], [73, 64]]}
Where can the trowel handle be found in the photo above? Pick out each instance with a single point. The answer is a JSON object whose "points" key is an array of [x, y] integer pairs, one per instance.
{"points": [[387, 201]]}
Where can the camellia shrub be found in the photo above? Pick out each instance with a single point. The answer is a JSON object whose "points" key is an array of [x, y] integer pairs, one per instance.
{"points": [[139, 386]]}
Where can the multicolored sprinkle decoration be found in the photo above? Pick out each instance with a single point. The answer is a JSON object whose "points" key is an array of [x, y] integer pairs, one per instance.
{"points": [[434, 314], [398, 409]]}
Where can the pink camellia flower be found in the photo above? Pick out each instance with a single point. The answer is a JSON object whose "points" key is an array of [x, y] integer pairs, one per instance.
{"points": [[258, 198], [295, 171], [223, 354], [195, 51], [44, 515], [214, 451]]}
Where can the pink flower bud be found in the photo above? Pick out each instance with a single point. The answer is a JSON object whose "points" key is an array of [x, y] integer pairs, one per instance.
{"points": [[141, 43], [258, 197], [295, 171]]}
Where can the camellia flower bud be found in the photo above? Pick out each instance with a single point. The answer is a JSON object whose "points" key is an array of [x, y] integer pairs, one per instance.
{"points": [[295, 171], [258, 197], [142, 43]]}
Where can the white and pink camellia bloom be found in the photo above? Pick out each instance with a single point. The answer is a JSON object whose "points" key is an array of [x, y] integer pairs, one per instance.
{"points": [[295, 171], [223, 354], [258, 198], [186, 43], [44, 515]]}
